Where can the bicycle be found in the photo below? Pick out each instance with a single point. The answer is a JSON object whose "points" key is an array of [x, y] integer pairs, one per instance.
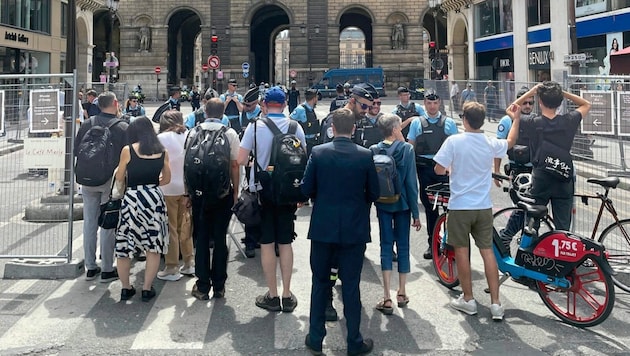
{"points": [[616, 236], [571, 273], [443, 254]]}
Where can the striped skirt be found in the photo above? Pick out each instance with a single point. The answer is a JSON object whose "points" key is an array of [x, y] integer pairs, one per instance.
{"points": [[143, 224]]}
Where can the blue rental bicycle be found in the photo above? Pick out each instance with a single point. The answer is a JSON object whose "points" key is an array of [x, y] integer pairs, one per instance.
{"points": [[571, 273]]}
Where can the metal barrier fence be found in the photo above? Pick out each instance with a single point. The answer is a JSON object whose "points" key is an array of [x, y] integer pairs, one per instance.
{"points": [[121, 90], [600, 147], [38, 128]]}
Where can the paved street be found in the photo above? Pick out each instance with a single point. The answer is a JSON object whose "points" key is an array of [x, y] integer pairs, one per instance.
{"points": [[77, 317]]}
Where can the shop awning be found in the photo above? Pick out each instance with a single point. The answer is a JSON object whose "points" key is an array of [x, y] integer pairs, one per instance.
{"points": [[620, 62]]}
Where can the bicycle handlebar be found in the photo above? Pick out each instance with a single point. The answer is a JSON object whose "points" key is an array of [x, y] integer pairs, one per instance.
{"points": [[500, 177]]}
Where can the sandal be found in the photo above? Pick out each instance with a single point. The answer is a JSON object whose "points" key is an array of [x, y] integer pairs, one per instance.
{"points": [[385, 306], [403, 300]]}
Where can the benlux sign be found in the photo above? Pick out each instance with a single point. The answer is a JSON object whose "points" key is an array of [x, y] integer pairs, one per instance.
{"points": [[538, 57]]}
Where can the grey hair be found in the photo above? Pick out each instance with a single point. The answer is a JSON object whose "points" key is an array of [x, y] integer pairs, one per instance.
{"points": [[387, 122]]}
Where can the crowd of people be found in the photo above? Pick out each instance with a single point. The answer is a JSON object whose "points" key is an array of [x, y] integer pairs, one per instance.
{"points": [[170, 208]]}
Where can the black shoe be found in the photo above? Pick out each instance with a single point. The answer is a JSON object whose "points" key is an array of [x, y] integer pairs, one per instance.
{"points": [[199, 294], [428, 255], [366, 348], [141, 257], [394, 256], [148, 294], [289, 304], [311, 348], [126, 294], [331, 313], [91, 274], [265, 301], [107, 277], [218, 294], [250, 252], [277, 250]]}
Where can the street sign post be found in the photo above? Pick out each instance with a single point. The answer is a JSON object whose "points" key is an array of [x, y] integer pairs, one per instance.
{"points": [[157, 70], [245, 66], [214, 62], [293, 73], [44, 111], [600, 119], [204, 67]]}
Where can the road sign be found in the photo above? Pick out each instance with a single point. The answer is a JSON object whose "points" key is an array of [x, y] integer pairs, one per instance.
{"points": [[293, 73], [245, 67], [623, 113], [214, 62], [245, 74], [600, 119], [204, 67], [158, 70], [44, 111], [575, 57]]}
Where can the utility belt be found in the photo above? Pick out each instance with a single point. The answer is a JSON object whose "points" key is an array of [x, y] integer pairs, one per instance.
{"points": [[422, 161]]}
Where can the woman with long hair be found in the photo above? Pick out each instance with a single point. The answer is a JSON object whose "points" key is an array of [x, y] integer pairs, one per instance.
{"points": [[614, 47], [173, 136], [143, 224]]}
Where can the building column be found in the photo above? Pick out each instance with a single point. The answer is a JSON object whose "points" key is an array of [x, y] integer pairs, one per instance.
{"points": [[519, 33], [560, 41]]}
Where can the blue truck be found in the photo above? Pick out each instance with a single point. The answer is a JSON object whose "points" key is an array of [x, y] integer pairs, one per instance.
{"points": [[332, 77]]}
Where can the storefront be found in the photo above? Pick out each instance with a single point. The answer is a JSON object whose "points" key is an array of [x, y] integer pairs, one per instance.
{"points": [[539, 63]]}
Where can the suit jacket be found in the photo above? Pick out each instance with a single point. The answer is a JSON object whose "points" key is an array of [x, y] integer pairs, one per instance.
{"points": [[341, 179]]}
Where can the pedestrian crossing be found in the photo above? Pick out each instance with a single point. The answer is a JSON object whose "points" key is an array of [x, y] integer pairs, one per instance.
{"points": [[77, 316]]}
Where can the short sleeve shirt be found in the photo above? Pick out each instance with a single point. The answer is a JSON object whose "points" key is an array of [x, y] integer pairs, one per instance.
{"points": [[415, 129]]}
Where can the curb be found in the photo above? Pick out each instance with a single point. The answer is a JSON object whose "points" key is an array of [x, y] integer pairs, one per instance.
{"points": [[44, 269], [11, 149]]}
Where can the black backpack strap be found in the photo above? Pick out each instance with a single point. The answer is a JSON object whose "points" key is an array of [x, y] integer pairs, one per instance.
{"points": [[292, 127], [113, 122], [274, 129]]}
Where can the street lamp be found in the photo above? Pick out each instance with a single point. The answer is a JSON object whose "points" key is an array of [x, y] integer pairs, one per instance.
{"points": [[110, 59], [435, 8]]}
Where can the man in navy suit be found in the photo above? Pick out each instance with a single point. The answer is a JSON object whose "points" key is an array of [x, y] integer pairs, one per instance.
{"points": [[341, 180]]}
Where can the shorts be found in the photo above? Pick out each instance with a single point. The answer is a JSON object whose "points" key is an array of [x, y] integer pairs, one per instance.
{"points": [[462, 223], [277, 223]]}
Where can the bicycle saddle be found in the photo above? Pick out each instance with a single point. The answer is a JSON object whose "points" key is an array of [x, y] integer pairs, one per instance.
{"points": [[535, 211], [608, 182]]}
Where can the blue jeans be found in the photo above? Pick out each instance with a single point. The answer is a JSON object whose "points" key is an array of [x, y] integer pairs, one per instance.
{"points": [[394, 227], [93, 197]]}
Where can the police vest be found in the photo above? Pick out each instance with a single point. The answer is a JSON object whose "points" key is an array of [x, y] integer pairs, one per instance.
{"points": [[134, 112], [326, 133], [367, 133], [339, 102], [522, 140], [231, 109], [432, 137], [311, 126], [405, 113]]}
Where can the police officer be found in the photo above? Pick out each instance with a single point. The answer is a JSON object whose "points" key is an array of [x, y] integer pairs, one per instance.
{"points": [[346, 89], [251, 110], [367, 132], [305, 115], [359, 102], [407, 110], [294, 96], [341, 100], [232, 101], [426, 134]]}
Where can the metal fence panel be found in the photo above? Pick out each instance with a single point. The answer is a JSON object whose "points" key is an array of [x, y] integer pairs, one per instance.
{"points": [[37, 183]]}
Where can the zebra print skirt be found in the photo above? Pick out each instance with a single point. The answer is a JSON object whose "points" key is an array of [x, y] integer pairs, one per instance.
{"points": [[143, 224]]}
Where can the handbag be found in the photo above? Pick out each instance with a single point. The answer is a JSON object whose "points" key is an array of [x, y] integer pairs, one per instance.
{"points": [[247, 208], [110, 211]]}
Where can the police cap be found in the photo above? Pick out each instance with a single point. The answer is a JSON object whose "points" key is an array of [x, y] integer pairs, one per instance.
{"points": [[251, 95]]}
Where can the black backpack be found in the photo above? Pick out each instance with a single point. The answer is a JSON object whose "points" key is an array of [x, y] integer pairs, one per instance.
{"points": [[388, 179], [283, 179], [96, 156], [207, 162]]}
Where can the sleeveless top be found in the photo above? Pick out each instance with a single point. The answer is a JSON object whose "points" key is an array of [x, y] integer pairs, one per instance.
{"points": [[142, 171]]}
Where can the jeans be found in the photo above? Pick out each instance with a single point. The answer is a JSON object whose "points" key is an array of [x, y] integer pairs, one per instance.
{"points": [[394, 226], [178, 231], [93, 197]]}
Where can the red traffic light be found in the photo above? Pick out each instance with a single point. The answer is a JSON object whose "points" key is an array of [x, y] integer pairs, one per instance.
{"points": [[432, 44], [214, 38]]}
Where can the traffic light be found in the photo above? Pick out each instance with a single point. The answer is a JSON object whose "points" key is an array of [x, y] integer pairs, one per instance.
{"points": [[214, 45], [432, 49]]}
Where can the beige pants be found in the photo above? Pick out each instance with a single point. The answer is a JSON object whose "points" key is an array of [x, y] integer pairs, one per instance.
{"points": [[179, 228]]}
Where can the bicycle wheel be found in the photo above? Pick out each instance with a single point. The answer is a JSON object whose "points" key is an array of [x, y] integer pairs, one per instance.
{"points": [[588, 301], [616, 239], [443, 255], [510, 229]]}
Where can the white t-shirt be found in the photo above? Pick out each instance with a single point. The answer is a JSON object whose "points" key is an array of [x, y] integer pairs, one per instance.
{"points": [[470, 157], [174, 144]]}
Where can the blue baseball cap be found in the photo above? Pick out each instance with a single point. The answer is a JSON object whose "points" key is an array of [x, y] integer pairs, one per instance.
{"points": [[275, 95]]}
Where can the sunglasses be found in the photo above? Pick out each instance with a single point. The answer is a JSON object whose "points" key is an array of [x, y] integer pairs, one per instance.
{"points": [[528, 103], [376, 103], [134, 101], [363, 106]]}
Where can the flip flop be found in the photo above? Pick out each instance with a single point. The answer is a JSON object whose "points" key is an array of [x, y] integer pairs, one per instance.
{"points": [[385, 307], [403, 300]]}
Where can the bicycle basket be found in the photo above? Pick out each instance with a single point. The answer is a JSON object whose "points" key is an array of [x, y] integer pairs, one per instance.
{"points": [[438, 194]]}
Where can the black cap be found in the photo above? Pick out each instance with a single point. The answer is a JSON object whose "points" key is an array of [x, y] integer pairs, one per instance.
{"points": [[251, 95], [361, 92], [174, 90], [339, 87], [370, 89], [232, 81], [310, 94], [431, 94], [403, 90]]}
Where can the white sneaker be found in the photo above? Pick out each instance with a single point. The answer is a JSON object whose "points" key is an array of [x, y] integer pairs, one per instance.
{"points": [[169, 275], [468, 307], [497, 312], [187, 270]]}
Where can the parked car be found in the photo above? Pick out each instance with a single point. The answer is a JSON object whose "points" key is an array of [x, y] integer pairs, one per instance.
{"points": [[327, 84]]}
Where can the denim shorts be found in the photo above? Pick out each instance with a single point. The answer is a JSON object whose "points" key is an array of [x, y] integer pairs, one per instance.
{"points": [[462, 223]]}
